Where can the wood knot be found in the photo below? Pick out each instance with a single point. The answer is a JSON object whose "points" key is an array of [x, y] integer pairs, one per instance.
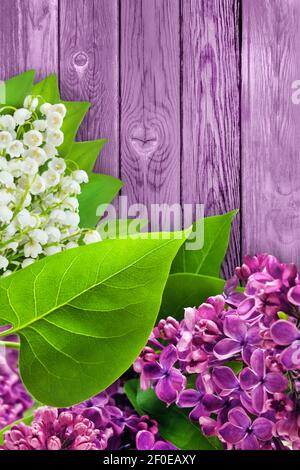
{"points": [[143, 139], [80, 59]]}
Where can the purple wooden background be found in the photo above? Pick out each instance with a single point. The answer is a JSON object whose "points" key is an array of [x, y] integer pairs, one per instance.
{"points": [[194, 97]]}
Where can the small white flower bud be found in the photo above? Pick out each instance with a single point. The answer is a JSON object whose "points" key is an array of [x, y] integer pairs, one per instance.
{"points": [[92, 237], [33, 138], [54, 137], [21, 116], [80, 176], [52, 250], [57, 164], [5, 139], [32, 249], [5, 214], [3, 262], [31, 102]]}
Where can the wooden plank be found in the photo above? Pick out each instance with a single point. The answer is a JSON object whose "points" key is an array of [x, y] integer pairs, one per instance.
{"points": [[210, 110], [28, 37], [270, 128], [150, 101], [89, 58]]}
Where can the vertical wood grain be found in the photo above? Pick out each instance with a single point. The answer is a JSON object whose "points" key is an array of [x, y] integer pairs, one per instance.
{"points": [[270, 128], [150, 101], [210, 110], [89, 70], [28, 37]]}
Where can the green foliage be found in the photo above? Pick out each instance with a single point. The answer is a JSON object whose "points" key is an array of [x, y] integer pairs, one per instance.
{"points": [[48, 89], [187, 290], [174, 424], [84, 154], [121, 227], [209, 258], [16, 88], [99, 191], [84, 315]]}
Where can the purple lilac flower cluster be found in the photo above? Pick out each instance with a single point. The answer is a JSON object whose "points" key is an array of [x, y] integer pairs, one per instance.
{"points": [[14, 400], [105, 422], [242, 349]]}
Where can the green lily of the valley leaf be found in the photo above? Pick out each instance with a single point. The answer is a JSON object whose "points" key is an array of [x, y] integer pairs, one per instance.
{"points": [[48, 89], [17, 88], [173, 422], [84, 154], [187, 290], [208, 259], [118, 228], [99, 191], [84, 315], [75, 114]]}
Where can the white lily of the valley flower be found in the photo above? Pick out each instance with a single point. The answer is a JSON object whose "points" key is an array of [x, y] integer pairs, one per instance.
{"points": [[5, 214], [12, 246], [54, 137], [3, 163], [92, 237], [32, 249], [54, 120], [53, 233], [5, 197], [68, 185], [59, 108], [15, 149], [52, 250], [50, 150], [72, 219], [25, 219], [38, 186], [80, 176], [57, 164], [30, 166], [31, 102], [45, 107], [58, 216], [27, 262], [51, 178], [15, 167], [33, 138], [21, 116], [7, 122], [39, 236], [6, 179], [71, 245], [71, 203], [37, 153], [40, 125], [3, 262], [5, 139]]}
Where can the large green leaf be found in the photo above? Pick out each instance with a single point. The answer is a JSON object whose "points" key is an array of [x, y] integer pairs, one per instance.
{"points": [[209, 258], [84, 154], [18, 87], [99, 191], [48, 89], [75, 114], [84, 315], [173, 422], [187, 290]]}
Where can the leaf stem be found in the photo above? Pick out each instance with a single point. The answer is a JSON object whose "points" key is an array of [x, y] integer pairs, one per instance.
{"points": [[10, 344]]}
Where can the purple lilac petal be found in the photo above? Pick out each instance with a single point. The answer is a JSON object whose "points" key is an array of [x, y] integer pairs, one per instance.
{"points": [[257, 362], [250, 443], [235, 328], [168, 357], [262, 429], [248, 379], [231, 433], [290, 357], [275, 382], [145, 440], [259, 397], [294, 295], [239, 417], [225, 378], [165, 391], [226, 348], [284, 332], [153, 370], [188, 398]]}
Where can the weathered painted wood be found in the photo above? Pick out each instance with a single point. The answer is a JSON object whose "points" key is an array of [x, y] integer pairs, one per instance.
{"points": [[210, 110], [28, 37], [150, 101], [89, 70], [270, 128]]}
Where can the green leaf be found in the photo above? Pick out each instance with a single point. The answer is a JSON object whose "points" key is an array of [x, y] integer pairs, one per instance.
{"points": [[187, 290], [209, 258], [173, 422], [99, 191], [85, 153], [48, 89], [84, 315], [75, 114], [282, 316], [236, 366], [117, 228], [18, 87]]}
